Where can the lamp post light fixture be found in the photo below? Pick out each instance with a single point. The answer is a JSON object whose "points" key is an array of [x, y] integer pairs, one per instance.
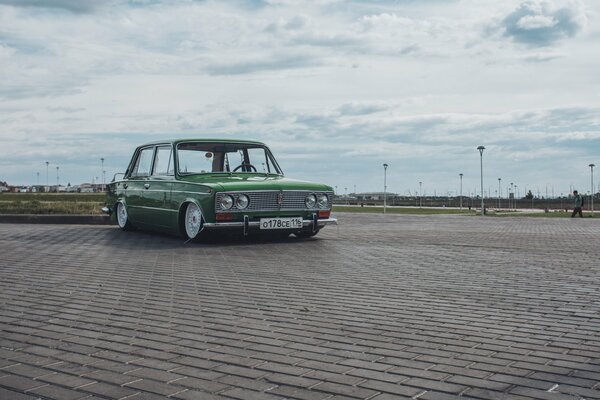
{"points": [[385, 166], [592, 198], [481, 148], [461, 175]]}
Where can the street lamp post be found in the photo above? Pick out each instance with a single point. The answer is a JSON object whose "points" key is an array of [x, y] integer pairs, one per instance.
{"points": [[102, 160], [511, 202], [461, 175], [592, 199], [420, 194], [481, 148], [47, 182], [38, 179], [57, 179], [384, 187], [499, 192]]}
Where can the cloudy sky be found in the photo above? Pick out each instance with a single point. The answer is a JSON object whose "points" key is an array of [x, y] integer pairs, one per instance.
{"points": [[335, 88]]}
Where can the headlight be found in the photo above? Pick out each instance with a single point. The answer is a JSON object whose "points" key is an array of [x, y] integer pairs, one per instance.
{"points": [[322, 200], [310, 201], [226, 202], [242, 201]]}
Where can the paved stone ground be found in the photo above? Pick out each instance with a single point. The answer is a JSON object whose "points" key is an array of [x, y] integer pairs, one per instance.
{"points": [[378, 308]]}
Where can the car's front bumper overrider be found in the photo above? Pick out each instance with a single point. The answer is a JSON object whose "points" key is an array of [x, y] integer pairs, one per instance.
{"points": [[314, 224]]}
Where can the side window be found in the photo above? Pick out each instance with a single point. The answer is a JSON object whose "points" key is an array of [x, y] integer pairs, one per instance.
{"points": [[143, 163], [163, 161]]}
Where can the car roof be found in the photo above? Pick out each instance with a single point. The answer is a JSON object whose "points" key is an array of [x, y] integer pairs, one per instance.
{"points": [[207, 140]]}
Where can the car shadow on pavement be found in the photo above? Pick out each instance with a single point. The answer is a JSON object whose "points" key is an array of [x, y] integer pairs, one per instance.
{"points": [[162, 240]]}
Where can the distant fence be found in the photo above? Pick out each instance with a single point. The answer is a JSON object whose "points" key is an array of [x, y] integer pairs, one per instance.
{"points": [[467, 202]]}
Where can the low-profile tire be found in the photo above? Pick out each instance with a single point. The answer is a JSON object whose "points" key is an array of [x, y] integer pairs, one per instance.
{"points": [[123, 217], [192, 221]]}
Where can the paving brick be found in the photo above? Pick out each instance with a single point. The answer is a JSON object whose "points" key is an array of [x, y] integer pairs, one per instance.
{"points": [[345, 390], [543, 394], [12, 395], [105, 389], [290, 380], [244, 394], [147, 385], [66, 380], [14, 382], [57, 393], [201, 384], [391, 388], [196, 395], [435, 385], [294, 392]]}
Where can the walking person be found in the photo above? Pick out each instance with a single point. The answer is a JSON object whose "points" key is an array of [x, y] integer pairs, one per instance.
{"points": [[578, 204]]}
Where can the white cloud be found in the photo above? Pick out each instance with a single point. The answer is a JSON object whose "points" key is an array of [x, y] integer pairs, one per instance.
{"points": [[544, 22]]}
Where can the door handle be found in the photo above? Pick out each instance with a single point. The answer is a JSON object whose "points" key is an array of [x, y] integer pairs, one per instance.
{"points": [[125, 186], [146, 185]]}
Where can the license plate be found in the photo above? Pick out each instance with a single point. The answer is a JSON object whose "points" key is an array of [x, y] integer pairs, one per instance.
{"points": [[281, 223]]}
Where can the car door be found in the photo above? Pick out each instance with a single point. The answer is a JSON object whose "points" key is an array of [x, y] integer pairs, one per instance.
{"points": [[134, 186], [157, 189]]}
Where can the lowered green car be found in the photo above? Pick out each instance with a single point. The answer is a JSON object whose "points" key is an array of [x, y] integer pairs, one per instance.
{"points": [[192, 186]]}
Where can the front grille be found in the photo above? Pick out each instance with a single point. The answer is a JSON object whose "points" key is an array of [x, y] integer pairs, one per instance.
{"points": [[267, 200]]}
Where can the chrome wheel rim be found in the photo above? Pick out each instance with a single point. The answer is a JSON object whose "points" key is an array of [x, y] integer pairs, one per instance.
{"points": [[193, 220], [121, 215]]}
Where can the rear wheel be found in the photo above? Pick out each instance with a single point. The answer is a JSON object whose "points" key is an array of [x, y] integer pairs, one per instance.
{"points": [[192, 221], [122, 217]]}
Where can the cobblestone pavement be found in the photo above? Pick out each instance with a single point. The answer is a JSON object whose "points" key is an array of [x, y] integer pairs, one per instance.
{"points": [[434, 307]]}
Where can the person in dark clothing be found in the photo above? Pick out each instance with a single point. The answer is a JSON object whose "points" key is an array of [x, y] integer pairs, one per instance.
{"points": [[578, 204]]}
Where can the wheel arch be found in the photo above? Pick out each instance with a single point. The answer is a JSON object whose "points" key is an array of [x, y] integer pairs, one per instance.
{"points": [[181, 214]]}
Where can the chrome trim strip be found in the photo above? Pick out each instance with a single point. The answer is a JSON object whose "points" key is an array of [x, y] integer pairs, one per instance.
{"points": [[184, 191], [256, 224], [157, 208]]}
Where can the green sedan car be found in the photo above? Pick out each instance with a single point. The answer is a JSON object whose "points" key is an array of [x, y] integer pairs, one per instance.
{"points": [[194, 186]]}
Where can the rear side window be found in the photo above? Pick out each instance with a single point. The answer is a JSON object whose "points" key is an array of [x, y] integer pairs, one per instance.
{"points": [[143, 163], [163, 161]]}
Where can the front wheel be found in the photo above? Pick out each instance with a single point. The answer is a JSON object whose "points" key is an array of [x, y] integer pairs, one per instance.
{"points": [[122, 217], [192, 221]]}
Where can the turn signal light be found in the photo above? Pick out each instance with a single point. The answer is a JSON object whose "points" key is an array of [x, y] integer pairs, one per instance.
{"points": [[324, 214], [224, 217]]}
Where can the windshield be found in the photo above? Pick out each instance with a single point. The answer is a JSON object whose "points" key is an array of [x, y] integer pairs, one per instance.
{"points": [[202, 158]]}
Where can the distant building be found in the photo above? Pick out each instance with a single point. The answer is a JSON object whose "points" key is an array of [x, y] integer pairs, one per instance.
{"points": [[377, 196], [87, 188]]}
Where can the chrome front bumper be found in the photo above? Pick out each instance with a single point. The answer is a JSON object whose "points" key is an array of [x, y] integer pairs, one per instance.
{"points": [[256, 224]]}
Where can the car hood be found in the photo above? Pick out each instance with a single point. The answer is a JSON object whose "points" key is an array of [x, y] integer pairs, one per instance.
{"points": [[249, 182]]}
